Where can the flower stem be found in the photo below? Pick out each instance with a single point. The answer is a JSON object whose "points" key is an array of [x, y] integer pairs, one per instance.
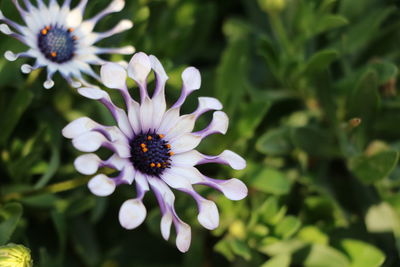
{"points": [[54, 188]]}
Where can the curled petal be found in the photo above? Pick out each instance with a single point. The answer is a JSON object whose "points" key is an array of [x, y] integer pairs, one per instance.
{"points": [[161, 75], [208, 214], [101, 185], [78, 127], [138, 69], [132, 213], [219, 124], [191, 81], [206, 104], [166, 222], [89, 142]]}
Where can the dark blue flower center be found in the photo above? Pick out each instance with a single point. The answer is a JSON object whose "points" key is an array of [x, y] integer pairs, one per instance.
{"points": [[57, 43], [150, 153]]}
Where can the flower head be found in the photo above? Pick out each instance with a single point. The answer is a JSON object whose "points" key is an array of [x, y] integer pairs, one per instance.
{"points": [[154, 147], [60, 40], [13, 255]]}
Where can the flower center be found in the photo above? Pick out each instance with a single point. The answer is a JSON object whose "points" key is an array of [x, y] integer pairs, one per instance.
{"points": [[150, 153], [57, 43]]}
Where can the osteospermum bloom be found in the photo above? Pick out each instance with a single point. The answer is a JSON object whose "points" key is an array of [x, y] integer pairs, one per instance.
{"points": [[153, 147], [60, 40]]}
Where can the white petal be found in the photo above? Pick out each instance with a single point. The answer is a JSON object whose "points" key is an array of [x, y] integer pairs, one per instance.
{"points": [[184, 237], [234, 189], [176, 181], [233, 160], [146, 114], [166, 222], [87, 164], [134, 116], [78, 127], [169, 120], [209, 103], [208, 215], [191, 79], [185, 124], [189, 158], [190, 174], [101, 185], [89, 142], [128, 174], [113, 75], [158, 68], [219, 124], [92, 93], [185, 143], [132, 214], [139, 67]]}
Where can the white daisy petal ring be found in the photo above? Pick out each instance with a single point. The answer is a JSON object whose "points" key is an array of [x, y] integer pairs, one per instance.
{"points": [[60, 40], [154, 147]]}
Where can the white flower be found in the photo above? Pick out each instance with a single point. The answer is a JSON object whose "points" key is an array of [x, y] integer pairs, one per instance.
{"points": [[154, 147], [60, 40]]}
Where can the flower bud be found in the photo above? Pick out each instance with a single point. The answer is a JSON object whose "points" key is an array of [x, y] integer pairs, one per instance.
{"points": [[272, 5], [13, 255]]}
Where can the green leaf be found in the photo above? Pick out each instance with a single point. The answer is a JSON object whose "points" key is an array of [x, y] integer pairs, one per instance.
{"points": [[275, 142], [319, 255], [11, 214], [382, 218], [329, 22], [370, 169], [224, 248], [271, 181], [313, 141], [364, 100], [282, 260], [240, 248], [16, 107], [362, 254], [287, 227], [320, 61]]}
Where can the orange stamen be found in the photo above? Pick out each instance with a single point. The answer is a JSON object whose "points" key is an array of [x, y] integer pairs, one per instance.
{"points": [[161, 135], [171, 153], [152, 165], [143, 145], [44, 32], [149, 137], [145, 150], [70, 29], [168, 145], [53, 54], [158, 165]]}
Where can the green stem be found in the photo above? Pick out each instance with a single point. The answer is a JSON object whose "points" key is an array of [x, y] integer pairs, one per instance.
{"points": [[54, 188]]}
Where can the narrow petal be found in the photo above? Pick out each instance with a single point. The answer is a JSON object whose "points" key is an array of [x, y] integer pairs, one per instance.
{"points": [[89, 142], [132, 213], [146, 115], [193, 157], [101, 185], [123, 25], [78, 127], [161, 75]]}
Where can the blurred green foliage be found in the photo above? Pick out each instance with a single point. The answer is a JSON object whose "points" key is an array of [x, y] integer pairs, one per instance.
{"points": [[310, 89]]}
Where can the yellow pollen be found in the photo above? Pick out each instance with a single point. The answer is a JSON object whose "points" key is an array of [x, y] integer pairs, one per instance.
{"points": [[171, 153], [161, 135], [158, 165], [53, 54], [44, 32], [143, 145], [152, 165], [145, 150], [168, 145], [149, 137]]}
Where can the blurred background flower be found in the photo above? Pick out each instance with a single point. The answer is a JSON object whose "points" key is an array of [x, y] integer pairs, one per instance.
{"points": [[310, 87]]}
